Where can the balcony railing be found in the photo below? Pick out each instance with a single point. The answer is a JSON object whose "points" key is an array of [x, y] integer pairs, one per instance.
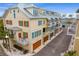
{"points": [[22, 41]]}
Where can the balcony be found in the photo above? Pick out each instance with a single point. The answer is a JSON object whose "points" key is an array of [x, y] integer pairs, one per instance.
{"points": [[72, 30], [50, 25], [22, 41]]}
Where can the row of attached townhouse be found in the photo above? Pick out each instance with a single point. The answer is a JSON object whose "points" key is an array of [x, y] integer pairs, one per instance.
{"points": [[68, 19], [76, 36], [32, 27]]}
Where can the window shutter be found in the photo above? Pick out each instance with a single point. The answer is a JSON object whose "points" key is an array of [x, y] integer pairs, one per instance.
{"points": [[25, 23], [28, 23], [26, 35], [19, 35], [6, 21]]}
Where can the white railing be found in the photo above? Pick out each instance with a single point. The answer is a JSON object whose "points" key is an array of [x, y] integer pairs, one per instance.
{"points": [[22, 41]]}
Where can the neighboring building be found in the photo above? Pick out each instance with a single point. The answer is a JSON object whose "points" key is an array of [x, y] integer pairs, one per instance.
{"points": [[68, 19], [32, 27], [76, 40]]}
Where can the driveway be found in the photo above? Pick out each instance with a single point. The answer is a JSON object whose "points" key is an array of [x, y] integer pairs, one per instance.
{"points": [[57, 46]]}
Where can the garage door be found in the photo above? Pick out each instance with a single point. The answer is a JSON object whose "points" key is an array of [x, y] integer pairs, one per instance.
{"points": [[36, 45], [45, 39]]}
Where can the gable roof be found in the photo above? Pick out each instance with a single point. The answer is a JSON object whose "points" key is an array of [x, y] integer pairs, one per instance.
{"points": [[27, 13]]}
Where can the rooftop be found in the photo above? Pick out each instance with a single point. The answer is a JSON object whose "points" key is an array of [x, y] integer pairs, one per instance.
{"points": [[45, 13]]}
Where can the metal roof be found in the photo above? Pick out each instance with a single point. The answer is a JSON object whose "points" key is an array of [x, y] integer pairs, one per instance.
{"points": [[27, 13]]}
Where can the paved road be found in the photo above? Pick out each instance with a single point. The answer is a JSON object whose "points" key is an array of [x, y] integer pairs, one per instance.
{"points": [[57, 46]]}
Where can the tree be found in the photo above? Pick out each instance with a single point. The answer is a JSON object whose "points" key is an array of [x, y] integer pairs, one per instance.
{"points": [[2, 31]]}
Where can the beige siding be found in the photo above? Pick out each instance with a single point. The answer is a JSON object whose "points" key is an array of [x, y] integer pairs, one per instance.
{"points": [[19, 16], [35, 27], [34, 24]]}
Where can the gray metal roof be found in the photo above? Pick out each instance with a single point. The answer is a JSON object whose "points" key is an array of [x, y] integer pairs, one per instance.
{"points": [[27, 13]]}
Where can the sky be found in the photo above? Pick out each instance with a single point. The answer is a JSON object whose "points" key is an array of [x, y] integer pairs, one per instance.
{"points": [[57, 7]]}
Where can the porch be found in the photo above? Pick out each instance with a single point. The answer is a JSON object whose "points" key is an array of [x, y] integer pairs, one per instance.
{"points": [[19, 46]]}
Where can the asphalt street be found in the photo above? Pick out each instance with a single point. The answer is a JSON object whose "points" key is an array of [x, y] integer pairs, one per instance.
{"points": [[57, 46]]}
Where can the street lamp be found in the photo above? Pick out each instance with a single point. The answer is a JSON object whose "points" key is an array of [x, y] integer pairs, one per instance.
{"points": [[6, 36], [7, 42]]}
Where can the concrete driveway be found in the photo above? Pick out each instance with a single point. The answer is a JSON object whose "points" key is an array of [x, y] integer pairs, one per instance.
{"points": [[57, 46]]}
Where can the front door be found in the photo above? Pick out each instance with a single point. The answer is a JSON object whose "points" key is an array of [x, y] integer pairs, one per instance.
{"points": [[45, 38]]}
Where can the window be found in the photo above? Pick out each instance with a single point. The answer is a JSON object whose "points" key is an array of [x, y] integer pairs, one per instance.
{"points": [[19, 35], [6, 21], [9, 22], [43, 29], [47, 12], [20, 23], [36, 34], [33, 35], [35, 12], [44, 22], [39, 22], [14, 15], [39, 32], [26, 23], [25, 35]]}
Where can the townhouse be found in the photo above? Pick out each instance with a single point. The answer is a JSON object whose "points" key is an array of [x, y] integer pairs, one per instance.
{"points": [[68, 19], [76, 39], [31, 27]]}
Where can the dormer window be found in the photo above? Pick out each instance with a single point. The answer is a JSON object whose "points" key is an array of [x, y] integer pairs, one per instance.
{"points": [[35, 12]]}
